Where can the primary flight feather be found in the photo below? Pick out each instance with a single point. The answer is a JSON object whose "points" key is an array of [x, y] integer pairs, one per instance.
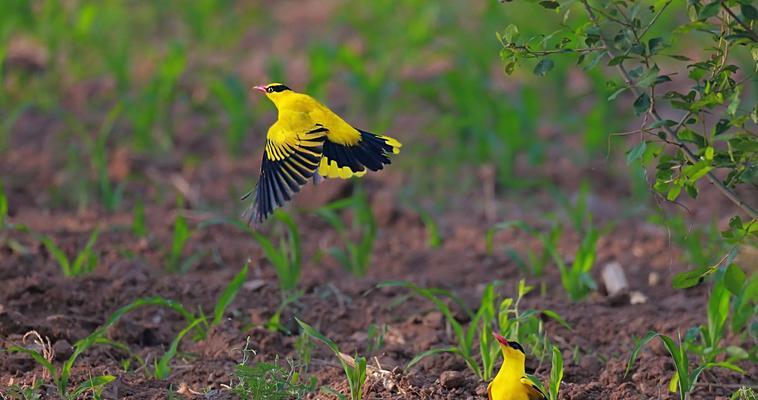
{"points": [[308, 140]]}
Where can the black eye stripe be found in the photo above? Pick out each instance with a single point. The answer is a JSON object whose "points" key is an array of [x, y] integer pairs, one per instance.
{"points": [[276, 88], [516, 346]]}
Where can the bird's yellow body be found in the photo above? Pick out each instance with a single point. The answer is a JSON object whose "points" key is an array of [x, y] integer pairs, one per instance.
{"points": [[308, 139], [511, 382]]}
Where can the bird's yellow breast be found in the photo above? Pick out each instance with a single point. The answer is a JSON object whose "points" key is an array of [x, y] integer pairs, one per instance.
{"points": [[508, 389]]}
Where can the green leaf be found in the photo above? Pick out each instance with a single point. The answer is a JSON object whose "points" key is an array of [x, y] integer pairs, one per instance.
{"points": [[415, 360], [633, 357], [636, 152], [543, 67], [674, 192], [162, 369], [649, 78], [58, 255], [655, 44], [556, 373], [691, 278], [709, 10], [551, 5], [228, 295], [748, 11], [734, 278], [93, 384], [642, 104]]}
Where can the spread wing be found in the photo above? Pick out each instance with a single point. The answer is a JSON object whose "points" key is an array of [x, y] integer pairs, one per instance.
{"points": [[532, 391], [289, 160]]}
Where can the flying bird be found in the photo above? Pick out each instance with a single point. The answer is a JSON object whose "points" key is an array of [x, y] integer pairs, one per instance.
{"points": [[308, 140], [511, 382]]}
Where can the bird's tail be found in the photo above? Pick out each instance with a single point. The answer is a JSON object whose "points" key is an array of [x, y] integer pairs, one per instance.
{"points": [[371, 152]]}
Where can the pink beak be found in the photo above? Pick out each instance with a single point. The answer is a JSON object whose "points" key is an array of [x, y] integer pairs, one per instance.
{"points": [[500, 338], [261, 89]]}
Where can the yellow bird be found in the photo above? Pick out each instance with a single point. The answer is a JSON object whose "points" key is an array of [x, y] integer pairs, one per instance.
{"points": [[511, 382], [309, 140]]}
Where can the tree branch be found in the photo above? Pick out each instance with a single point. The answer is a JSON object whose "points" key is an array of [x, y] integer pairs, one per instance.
{"points": [[742, 23], [691, 157]]}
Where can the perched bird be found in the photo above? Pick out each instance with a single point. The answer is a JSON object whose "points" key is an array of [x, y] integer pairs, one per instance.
{"points": [[309, 140], [511, 382]]}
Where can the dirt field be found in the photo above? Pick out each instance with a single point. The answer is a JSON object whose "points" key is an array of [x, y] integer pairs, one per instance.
{"points": [[34, 296]]}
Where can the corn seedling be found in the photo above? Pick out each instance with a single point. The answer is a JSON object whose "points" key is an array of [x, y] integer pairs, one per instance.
{"points": [[732, 295], [162, 370], [233, 98], [62, 375], [744, 393], [110, 194], [139, 227], [270, 380], [576, 278], [525, 327], [556, 374], [535, 263], [355, 257], [85, 261], [355, 369], [3, 207], [175, 260], [684, 380]]}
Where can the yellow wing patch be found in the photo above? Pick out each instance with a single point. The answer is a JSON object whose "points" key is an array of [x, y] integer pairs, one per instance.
{"points": [[532, 391]]}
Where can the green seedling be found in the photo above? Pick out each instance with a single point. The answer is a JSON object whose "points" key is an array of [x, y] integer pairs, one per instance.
{"points": [[162, 370], [139, 227], [684, 380], [354, 256], [744, 393], [228, 295], [355, 368], [84, 262], [732, 295], [287, 262], [62, 375], [525, 327], [271, 380], [233, 96], [24, 392], [3, 207], [576, 278], [110, 194], [175, 260], [433, 236], [535, 263], [556, 374]]}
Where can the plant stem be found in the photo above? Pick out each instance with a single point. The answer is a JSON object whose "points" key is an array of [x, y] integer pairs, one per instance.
{"points": [[691, 157], [744, 26]]}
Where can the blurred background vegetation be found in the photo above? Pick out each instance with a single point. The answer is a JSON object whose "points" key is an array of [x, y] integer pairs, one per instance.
{"points": [[167, 79]]}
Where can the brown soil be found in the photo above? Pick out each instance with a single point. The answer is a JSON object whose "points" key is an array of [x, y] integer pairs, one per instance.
{"points": [[34, 296]]}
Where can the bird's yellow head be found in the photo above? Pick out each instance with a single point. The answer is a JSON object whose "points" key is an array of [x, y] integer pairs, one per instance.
{"points": [[274, 91], [512, 351]]}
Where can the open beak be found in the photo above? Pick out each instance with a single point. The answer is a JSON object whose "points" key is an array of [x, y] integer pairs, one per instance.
{"points": [[500, 338], [261, 89]]}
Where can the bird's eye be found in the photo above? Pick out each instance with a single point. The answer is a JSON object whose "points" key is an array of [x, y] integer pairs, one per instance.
{"points": [[270, 89]]}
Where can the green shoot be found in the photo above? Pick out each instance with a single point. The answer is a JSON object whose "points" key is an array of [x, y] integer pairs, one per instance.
{"points": [[162, 369], [62, 375], [355, 369], [576, 278], [228, 295], [683, 380], [273, 381], [139, 227], [534, 263], [3, 207], [84, 262], [433, 236], [233, 97], [556, 374], [175, 261], [744, 393], [110, 194], [355, 257], [286, 258], [525, 327], [287, 262]]}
